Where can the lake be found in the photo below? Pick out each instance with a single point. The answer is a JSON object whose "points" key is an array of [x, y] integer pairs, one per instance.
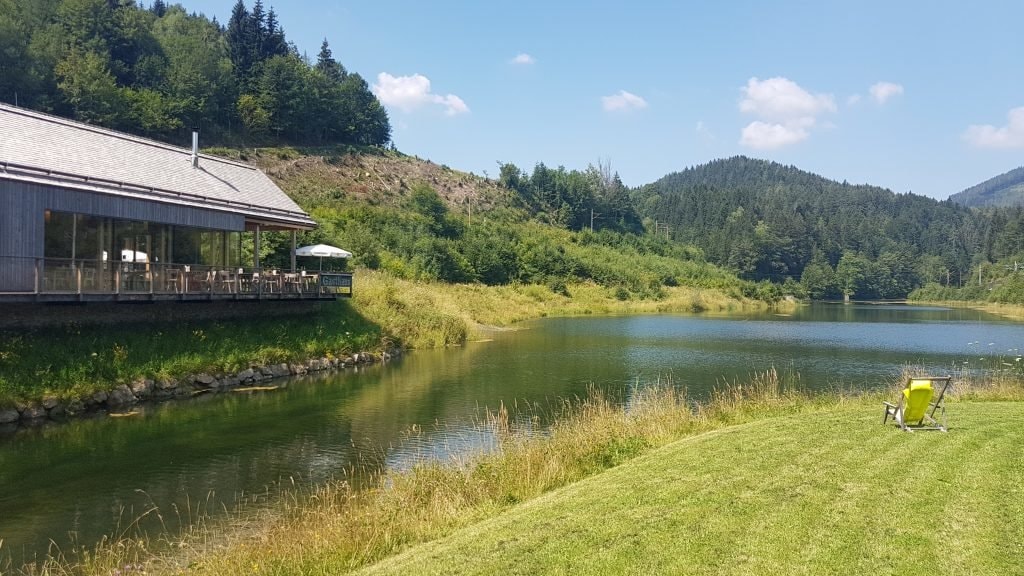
{"points": [[92, 477]]}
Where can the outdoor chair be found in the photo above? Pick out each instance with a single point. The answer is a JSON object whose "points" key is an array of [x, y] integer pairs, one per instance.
{"points": [[918, 403], [173, 280]]}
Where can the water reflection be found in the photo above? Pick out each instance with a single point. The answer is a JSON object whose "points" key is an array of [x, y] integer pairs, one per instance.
{"points": [[89, 475]]}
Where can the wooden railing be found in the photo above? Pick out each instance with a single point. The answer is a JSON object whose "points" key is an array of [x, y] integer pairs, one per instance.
{"points": [[52, 276]]}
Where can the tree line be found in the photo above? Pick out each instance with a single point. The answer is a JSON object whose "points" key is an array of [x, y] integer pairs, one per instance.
{"points": [[594, 198], [826, 238], [162, 72]]}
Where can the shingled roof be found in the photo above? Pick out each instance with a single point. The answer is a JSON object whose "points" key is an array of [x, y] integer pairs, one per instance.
{"points": [[46, 149]]}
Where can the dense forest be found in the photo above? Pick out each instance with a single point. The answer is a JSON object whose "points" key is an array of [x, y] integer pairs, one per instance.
{"points": [[162, 72], [769, 221], [1007, 189]]}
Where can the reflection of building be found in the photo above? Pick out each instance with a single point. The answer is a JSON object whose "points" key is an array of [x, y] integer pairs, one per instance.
{"points": [[92, 214]]}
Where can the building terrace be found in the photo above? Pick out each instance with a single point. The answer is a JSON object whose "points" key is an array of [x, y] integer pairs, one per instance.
{"points": [[90, 214]]}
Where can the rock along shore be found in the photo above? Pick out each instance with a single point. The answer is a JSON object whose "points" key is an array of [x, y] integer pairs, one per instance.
{"points": [[146, 390]]}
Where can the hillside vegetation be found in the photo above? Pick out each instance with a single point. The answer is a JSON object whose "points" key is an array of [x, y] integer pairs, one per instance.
{"points": [[780, 229], [765, 220], [161, 71], [419, 221], [1007, 189]]}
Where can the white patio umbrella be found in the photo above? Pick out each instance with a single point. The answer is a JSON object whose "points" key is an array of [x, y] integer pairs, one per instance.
{"points": [[130, 256], [323, 251], [134, 256]]}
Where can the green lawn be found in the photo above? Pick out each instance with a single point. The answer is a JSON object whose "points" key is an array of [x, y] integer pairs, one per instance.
{"points": [[832, 492]]}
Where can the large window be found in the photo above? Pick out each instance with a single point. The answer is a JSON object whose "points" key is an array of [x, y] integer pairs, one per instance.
{"points": [[60, 235], [91, 238]]}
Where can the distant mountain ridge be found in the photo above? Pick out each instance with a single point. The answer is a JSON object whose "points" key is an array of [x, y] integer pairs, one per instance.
{"points": [[771, 221], [1007, 189]]}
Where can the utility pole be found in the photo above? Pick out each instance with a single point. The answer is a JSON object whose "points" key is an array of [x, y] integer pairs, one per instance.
{"points": [[592, 216], [661, 226]]}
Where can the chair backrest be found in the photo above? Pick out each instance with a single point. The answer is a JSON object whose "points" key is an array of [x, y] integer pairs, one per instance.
{"points": [[916, 397]]}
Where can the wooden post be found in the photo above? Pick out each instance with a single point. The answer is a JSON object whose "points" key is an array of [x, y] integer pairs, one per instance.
{"points": [[293, 251], [256, 249]]}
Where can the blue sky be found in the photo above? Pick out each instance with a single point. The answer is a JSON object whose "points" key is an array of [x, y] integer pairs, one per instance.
{"points": [[913, 96]]}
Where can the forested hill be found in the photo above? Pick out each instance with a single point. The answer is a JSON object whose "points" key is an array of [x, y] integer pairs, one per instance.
{"points": [[767, 220], [162, 72], [1004, 190]]}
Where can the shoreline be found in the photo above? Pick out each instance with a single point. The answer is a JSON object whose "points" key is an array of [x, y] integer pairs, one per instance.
{"points": [[1008, 311], [150, 391], [399, 314]]}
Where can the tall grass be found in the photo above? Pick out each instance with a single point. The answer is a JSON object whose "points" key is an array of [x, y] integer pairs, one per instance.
{"points": [[432, 314], [75, 360]]}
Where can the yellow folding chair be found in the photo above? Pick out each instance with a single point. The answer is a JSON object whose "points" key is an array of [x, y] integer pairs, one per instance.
{"points": [[920, 400]]}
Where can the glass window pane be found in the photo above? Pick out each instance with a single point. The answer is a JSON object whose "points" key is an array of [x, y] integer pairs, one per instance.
{"points": [[59, 232]]}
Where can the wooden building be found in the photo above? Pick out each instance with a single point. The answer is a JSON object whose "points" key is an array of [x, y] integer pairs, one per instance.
{"points": [[90, 214]]}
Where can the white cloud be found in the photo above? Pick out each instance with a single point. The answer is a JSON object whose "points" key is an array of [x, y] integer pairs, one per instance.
{"points": [[522, 59], [407, 93], [853, 100], [988, 136], [767, 136], [785, 111], [782, 99], [623, 101], [883, 91]]}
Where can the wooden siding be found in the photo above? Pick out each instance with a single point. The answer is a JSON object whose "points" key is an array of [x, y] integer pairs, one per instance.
{"points": [[21, 222]]}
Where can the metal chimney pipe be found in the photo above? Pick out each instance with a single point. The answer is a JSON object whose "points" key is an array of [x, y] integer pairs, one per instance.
{"points": [[195, 149]]}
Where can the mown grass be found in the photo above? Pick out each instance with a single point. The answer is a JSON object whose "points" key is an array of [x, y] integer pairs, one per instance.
{"points": [[831, 492], [762, 478]]}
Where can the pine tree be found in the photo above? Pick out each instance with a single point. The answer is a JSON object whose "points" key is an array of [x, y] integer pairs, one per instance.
{"points": [[258, 22], [241, 41], [274, 44], [327, 65], [159, 8]]}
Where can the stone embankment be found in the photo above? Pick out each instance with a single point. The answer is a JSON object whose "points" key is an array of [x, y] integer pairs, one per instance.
{"points": [[143, 390]]}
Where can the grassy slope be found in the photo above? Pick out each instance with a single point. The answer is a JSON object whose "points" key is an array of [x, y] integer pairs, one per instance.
{"points": [[426, 315], [825, 493], [322, 176]]}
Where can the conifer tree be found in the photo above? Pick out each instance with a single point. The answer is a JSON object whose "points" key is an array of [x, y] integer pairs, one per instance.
{"points": [[274, 44], [327, 65], [258, 22], [241, 41]]}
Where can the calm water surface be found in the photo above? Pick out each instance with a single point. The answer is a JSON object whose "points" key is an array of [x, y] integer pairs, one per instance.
{"points": [[86, 478]]}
